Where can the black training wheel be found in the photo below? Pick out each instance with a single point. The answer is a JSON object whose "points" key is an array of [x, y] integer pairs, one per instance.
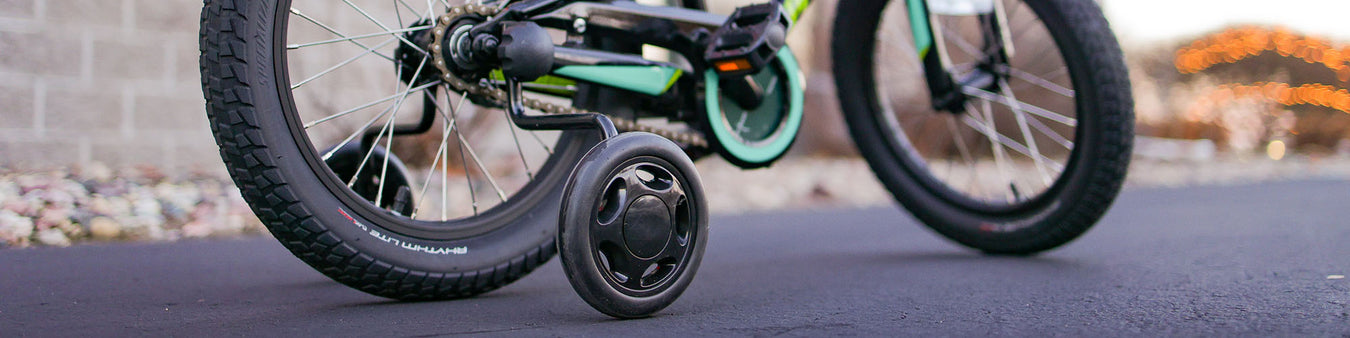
{"points": [[391, 193], [633, 226]]}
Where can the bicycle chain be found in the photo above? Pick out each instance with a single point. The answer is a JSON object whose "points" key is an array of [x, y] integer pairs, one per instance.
{"points": [[693, 139]]}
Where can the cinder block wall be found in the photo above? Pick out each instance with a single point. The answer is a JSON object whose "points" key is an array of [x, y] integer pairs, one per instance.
{"points": [[116, 82], [113, 81]]}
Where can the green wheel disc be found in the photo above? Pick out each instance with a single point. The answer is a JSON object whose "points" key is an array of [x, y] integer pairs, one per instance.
{"points": [[757, 136]]}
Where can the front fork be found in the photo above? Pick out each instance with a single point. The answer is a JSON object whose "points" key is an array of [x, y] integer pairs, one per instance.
{"points": [[947, 92]]}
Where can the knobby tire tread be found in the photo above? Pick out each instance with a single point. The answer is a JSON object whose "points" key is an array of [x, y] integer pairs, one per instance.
{"points": [[255, 172]]}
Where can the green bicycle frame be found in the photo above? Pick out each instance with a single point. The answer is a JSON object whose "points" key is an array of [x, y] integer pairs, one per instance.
{"points": [[655, 79], [651, 80]]}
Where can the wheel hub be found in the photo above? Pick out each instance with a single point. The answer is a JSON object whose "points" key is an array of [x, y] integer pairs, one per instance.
{"points": [[408, 58], [647, 226], [459, 49]]}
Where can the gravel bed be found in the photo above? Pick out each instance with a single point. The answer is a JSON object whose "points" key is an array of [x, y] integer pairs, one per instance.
{"points": [[58, 208]]}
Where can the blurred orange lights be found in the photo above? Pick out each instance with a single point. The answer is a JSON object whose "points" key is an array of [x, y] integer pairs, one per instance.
{"points": [[1282, 93], [1236, 44], [1239, 43]]}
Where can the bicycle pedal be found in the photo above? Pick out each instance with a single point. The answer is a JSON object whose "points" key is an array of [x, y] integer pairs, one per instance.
{"points": [[748, 40]]}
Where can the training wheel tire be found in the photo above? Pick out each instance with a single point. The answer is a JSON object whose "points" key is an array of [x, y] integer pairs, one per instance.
{"points": [[634, 225], [394, 195]]}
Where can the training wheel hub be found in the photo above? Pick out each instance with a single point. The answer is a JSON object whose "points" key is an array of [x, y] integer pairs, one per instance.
{"points": [[647, 226]]}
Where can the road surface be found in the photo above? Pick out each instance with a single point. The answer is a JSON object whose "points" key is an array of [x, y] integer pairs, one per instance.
{"points": [[1253, 260]]}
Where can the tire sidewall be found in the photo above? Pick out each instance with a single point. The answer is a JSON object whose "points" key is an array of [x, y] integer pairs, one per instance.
{"points": [[276, 126]]}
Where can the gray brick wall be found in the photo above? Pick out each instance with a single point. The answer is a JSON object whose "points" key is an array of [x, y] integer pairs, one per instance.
{"points": [[116, 81], [112, 81]]}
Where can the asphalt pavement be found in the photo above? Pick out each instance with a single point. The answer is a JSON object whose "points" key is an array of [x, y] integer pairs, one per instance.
{"points": [[1248, 260]]}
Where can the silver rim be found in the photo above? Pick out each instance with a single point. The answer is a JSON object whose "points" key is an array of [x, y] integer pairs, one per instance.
{"points": [[1012, 144]]}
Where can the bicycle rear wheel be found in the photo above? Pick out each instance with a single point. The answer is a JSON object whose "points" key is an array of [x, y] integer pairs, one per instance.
{"points": [[305, 98], [1039, 147]]}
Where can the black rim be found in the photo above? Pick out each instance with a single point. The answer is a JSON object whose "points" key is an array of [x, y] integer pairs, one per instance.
{"points": [[643, 228]]}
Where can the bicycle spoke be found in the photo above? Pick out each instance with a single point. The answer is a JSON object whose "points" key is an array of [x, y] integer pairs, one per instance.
{"points": [[1058, 73], [500, 194], [1000, 155], [389, 144], [464, 145], [399, 14], [1053, 135], [1026, 131], [547, 149], [354, 134], [965, 153], [1008, 142], [410, 9], [964, 68], [445, 154], [366, 159], [389, 125], [960, 143], [961, 43], [1043, 83], [353, 38], [431, 10], [367, 105], [1033, 110], [384, 170], [445, 143], [459, 133], [341, 64], [335, 32], [1041, 58], [382, 26], [512, 127], [445, 169]]}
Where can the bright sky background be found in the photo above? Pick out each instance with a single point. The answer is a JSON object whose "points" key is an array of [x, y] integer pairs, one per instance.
{"points": [[1141, 21]]}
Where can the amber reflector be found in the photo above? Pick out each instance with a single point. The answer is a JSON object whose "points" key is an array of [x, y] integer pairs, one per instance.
{"points": [[727, 66]]}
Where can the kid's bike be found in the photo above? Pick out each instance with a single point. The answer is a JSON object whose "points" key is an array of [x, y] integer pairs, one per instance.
{"points": [[437, 149]]}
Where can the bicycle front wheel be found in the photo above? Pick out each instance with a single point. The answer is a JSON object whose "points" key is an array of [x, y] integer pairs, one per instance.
{"points": [[1035, 147]]}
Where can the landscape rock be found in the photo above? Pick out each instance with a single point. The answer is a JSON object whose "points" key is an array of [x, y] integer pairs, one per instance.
{"points": [[103, 228], [14, 228], [53, 237], [61, 207]]}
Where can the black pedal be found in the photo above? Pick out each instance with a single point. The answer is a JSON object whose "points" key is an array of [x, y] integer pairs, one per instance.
{"points": [[748, 40]]}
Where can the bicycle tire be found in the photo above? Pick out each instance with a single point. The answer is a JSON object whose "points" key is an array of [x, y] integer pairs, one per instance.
{"points": [[277, 177], [1097, 164]]}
